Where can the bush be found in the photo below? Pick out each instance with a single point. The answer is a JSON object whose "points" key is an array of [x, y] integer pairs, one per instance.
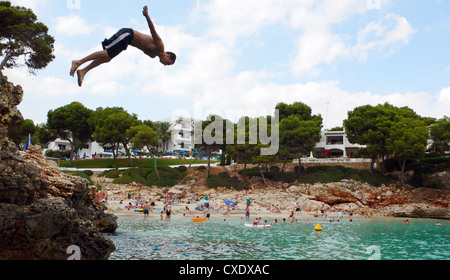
{"points": [[85, 176], [88, 172], [57, 154], [288, 177], [251, 172], [226, 181], [125, 179], [137, 178], [112, 174], [182, 168], [274, 168], [228, 161], [161, 183], [302, 169], [168, 177], [322, 176]]}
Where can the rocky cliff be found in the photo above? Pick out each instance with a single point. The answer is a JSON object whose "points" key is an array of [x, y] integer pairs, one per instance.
{"points": [[43, 211]]}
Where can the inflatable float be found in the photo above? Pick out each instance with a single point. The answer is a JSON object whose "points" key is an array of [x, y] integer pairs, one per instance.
{"points": [[258, 226], [199, 220]]}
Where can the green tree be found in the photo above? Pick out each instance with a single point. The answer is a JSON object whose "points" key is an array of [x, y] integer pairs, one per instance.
{"points": [[371, 126], [245, 149], [211, 135], [144, 136], [111, 125], [407, 141], [299, 130], [71, 122], [440, 133], [19, 131], [22, 36], [164, 133]]}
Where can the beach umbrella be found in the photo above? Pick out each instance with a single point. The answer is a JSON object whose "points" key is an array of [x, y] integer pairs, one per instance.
{"points": [[28, 142], [204, 201], [135, 151]]}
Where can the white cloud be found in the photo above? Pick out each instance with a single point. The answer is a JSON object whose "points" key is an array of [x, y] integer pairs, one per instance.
{"points": [[317, 47], [72, 25], [35, 5], [390, 32], [48, 86], [231, 19]]}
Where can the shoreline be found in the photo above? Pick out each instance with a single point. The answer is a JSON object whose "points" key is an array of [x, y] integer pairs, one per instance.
{"points": [[361, 199], [123, 214]]}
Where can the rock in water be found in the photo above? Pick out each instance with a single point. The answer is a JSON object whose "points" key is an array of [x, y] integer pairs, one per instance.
{"points": [[43, 211]]}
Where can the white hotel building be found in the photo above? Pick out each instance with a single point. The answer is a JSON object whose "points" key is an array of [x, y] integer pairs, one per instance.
{"points": [[182, 142]]}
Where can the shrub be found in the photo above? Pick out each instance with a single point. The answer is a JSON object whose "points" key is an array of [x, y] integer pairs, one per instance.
{"points": [[85, 176], [168, 177], [88, 172], [182, 168], [57, 154], [322, 176], [288, 177], [112, 174], [251, 172], [274, 168], [137, 178], [161, 183], [125, 179], [226, 181]]}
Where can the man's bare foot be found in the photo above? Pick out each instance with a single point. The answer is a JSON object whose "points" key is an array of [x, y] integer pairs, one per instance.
{"points": [[75, 65], [80, 75]]}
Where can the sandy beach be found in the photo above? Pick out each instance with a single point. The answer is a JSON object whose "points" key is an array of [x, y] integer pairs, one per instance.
{"points": [[350, 199]]}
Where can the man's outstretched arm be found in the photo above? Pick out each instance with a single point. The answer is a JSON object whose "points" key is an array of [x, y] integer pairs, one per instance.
{"points": [[156, 38]]}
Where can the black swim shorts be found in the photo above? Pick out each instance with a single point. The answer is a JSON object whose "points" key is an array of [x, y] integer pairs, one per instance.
{"points": [[118, 42]]}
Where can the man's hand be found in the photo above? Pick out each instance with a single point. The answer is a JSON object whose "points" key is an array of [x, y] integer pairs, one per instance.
{"points": [[145, 11]]}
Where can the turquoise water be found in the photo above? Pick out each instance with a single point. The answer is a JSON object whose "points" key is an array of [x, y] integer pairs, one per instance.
{"points": [[385, 239]]}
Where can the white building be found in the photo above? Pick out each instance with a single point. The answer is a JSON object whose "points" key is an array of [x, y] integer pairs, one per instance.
{"points": [[182, 140], [90, 149], [337, 145]]}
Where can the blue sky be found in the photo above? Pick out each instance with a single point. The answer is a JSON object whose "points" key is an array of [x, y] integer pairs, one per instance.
{"points": [[242, 57]]}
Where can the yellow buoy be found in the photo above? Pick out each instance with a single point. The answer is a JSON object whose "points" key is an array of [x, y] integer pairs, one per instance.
{"points": [[318, 227]]}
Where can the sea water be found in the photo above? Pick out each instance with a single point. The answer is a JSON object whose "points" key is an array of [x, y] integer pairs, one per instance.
{"points": [[362, 239]]}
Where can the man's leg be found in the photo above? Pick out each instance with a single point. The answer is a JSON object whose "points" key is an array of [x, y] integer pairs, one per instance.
{"points": [[81, 73], [103, 55]]}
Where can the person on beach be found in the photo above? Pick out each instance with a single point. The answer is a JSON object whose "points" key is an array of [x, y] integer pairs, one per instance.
{"points": [[292, 216], [168, 212], [146, 209], [256, 222], [247, 212], [152, 205], [152, 46]]}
